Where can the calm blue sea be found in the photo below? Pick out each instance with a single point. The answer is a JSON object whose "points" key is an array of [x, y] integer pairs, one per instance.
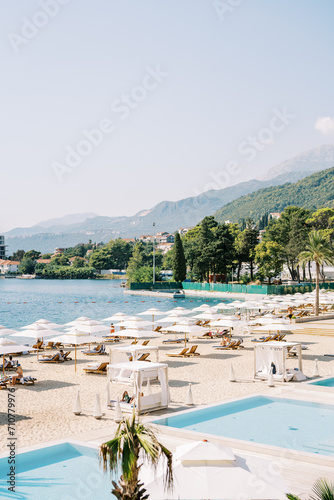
{"points": [[24, 301]]}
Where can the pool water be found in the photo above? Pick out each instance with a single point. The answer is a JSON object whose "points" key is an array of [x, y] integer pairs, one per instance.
{"points": [[286, 423], [65, 471], [329, 382]]}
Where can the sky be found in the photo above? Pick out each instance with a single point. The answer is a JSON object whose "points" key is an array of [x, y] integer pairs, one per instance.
{"points": [[112, 106]]}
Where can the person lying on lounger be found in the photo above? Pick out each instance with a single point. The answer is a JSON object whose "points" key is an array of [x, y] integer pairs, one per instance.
{"points": [[19, 375], [126, 398]]}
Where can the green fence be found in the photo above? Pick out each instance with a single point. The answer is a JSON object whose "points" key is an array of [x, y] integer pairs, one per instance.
{"points": [[258, 289], [164, 285]]}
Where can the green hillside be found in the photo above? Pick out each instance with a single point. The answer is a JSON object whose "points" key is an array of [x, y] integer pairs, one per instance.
{"points": [[312, 192]]}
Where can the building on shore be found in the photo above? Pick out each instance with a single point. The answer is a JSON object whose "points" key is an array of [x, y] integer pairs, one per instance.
{"points": [[2, 247], [8, 266]]}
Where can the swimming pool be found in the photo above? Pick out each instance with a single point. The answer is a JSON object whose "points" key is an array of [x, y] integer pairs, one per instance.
{"points": [[325, 382], [285, 423], [64, 471]]}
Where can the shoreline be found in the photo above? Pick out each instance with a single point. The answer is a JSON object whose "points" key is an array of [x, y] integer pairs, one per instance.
{"points": [[195, 293]]}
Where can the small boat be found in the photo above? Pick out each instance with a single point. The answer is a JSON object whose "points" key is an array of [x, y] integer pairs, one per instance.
{"points": [[180, 294]]}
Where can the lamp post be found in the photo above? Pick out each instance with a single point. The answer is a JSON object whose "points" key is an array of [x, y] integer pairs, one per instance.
{"points": [[153, 253]]}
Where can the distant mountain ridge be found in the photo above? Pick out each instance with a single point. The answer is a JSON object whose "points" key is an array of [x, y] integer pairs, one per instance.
{"points": [[312, 192], [309, 161], [168, 216]]}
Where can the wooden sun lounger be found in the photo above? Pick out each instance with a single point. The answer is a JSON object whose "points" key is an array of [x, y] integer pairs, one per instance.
{"points": [[173, 341], [193, 352], [181, 354], [54, 359], [26, 381], [143, 357], [100, 369], [264, 339], [231, 345], [145, 342], [49, 345], [66, 356], [38, 345]]}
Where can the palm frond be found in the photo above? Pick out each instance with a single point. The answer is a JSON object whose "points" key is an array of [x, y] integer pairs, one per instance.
{"points": [[323, 490]]}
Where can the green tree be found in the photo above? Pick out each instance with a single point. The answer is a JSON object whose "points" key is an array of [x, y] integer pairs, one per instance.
{"points": [[133, 438], [269, 256], [245, 244], [167, 262], [33, 254], [78, 262], [319, 250], [322, 489], [59, 260], [120, 252], [137, 259], [27, 266], [46, 256], [291, 232], [179, 260], [101, 258], [18, 255]]}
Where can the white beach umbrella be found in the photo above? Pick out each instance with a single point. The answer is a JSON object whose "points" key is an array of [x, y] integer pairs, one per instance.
{"points": [[201, 308], [40, 326], [279, 327], [8, 346], [222, 307], [217, 473], [76, 337], [93, 328], [135, 324], [36, 333], [152, 312], [268, 321], [8, 331], [191, 329], [171, 319], [178, 311], [138, 334], [209, 316], [117, 317], [237, 304]]}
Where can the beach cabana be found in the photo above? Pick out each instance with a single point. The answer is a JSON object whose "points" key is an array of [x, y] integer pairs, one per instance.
{"points": [[275, 352], [121, 354], [135, 374]]}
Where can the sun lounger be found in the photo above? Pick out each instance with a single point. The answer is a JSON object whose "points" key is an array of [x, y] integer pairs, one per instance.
{"points": [[26, 380], [231, 345], [50, 345], [4, 382], [9, 365], [38, 345], [173, 341], [145, 342], [281, 337], [264, 339], [66, 356], [100, 349], [55, 359], [193, 352], [181, 354], [158, 329], [101, 368]]}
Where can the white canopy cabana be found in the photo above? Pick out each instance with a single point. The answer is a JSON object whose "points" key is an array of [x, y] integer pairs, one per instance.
{"points": [[120, 353], [135, 374], [267, 353]]}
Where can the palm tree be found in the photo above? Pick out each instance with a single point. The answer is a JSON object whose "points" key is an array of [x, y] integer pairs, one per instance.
{"points": [[322, 491], [131, 439], [319, 250]]}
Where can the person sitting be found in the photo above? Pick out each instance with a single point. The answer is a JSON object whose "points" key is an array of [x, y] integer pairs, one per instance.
{"points": [[126, 398], [61, 354], [225, 340], [19, 375], [9, 363]]}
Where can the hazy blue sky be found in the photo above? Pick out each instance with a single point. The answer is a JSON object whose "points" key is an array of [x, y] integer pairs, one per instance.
{"points": [[202, 77]]}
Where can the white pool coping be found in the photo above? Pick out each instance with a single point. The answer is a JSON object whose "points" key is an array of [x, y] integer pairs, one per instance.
{"points": [[274, 451], [311, 386]]}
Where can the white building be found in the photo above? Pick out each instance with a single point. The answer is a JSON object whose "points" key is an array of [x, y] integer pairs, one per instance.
{"points": [[8, 266]]}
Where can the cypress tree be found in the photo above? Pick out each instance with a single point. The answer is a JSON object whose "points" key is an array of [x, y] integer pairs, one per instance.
{"points": [[179, 260]]}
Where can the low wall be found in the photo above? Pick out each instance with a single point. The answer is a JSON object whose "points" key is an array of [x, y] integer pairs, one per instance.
{"points": [[255, 289], [163, 285]]}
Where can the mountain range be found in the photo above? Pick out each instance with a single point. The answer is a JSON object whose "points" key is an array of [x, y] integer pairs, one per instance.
{"points": [[312, 192], [168, 216]]}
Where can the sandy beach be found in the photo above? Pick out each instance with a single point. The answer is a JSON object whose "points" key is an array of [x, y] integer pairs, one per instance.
{"points": [[44, 411]]}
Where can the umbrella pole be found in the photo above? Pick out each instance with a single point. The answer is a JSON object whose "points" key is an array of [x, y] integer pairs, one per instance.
{"points": [[75, 357]]}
